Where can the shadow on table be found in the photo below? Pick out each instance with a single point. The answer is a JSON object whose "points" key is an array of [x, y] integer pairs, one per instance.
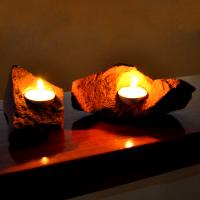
{"points": [[25, 145], [161, 127]]}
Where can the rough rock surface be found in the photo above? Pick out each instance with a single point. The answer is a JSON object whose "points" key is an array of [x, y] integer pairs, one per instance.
{"points": [[98, 93], [22, 114]]}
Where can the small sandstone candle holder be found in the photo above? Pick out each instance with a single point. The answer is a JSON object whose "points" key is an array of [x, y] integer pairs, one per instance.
{"points": [[31, 103], [111, 93]]}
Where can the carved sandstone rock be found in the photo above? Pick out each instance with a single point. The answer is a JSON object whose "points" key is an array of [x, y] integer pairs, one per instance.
{"points": [[22, 114], [98, 93]]}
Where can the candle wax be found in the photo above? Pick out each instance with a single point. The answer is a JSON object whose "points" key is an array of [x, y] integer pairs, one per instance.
{"points": [[132, 92], [40, 95]]}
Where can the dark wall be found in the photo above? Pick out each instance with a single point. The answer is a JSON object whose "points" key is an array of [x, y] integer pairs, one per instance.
{"points": [[62, 40]]}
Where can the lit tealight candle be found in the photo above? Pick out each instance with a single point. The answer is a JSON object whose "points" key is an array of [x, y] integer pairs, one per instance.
{"points": [[133, 93], [39, 94]]}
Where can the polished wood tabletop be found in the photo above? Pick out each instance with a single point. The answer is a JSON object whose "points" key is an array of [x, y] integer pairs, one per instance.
{"points": [[89, 141]]}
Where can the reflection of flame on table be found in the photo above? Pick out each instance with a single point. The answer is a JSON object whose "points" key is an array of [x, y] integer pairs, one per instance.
{"points": [[44, 160], [129, 144], [37, 146], [95, 134]]}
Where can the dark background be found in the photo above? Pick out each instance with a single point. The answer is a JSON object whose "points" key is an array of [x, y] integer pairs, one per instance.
{"points": [[62, 40]]}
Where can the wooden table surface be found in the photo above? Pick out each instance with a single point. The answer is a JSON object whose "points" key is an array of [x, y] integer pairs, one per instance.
{"points": [[94, 153]]}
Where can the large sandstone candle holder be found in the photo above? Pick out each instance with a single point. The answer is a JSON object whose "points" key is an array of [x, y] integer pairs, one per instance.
{"points": [[31, 103], [102, 93]]}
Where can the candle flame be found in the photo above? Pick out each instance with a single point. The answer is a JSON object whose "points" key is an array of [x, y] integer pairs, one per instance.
{"points": [[134, 81], [40, 84]]}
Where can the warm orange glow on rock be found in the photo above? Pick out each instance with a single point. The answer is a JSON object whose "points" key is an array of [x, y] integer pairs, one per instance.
{"points": [[134, 78]]}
